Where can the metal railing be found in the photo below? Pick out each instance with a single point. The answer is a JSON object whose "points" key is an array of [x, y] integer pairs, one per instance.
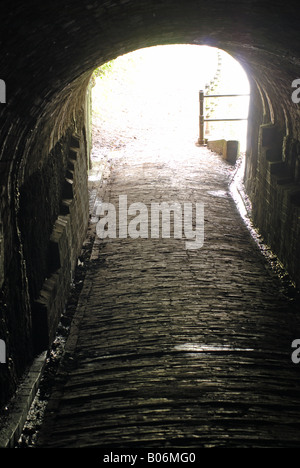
{"points": [[202, 119]]}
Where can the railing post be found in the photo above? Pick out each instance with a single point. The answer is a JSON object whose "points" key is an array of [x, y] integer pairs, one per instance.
{"points": [[201, 118]]}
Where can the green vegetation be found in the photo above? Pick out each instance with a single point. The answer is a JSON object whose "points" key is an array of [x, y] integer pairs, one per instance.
{"points": [[102, 71]]}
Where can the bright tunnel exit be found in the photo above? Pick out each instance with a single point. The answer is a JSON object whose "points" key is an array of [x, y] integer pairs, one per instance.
{"points": [[152, 95]]}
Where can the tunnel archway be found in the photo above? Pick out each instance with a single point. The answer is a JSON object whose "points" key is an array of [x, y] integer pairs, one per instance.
{"points": [[46, 63], [157, 90]]}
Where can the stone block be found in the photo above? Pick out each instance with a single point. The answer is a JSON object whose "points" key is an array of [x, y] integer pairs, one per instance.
{"points": [[232, 151], [229, 150]]}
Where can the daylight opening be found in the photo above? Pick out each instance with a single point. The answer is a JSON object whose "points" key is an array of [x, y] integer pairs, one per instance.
{"points": [[152, 95]]}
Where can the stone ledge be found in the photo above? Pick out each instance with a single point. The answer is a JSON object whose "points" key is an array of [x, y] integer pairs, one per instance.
{"points": [[20, 404], [228, 149], [64, 247]]}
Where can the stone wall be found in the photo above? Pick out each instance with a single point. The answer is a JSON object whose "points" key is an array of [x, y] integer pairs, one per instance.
{"points": [[53, 241], [43, 225], [272, 177]]}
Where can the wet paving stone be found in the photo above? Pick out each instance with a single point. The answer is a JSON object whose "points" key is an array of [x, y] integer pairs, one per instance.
{"points": [[173, 347]]}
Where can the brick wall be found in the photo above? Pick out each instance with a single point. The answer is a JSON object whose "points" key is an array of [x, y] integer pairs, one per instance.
{"points": [[64, 246]]}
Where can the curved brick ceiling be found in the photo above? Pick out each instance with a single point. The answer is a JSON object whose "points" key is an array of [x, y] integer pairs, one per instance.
{"points": [[48, 49]]}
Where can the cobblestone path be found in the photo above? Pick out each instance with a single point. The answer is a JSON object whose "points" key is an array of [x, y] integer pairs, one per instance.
{"points": [[173, 347]]}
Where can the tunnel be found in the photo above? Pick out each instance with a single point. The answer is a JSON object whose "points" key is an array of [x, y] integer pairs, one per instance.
{"points": [[49, 51]]}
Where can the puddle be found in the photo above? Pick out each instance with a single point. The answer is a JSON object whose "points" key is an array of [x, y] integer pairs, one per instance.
{"points": [[218, 193], [200, 348]]}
